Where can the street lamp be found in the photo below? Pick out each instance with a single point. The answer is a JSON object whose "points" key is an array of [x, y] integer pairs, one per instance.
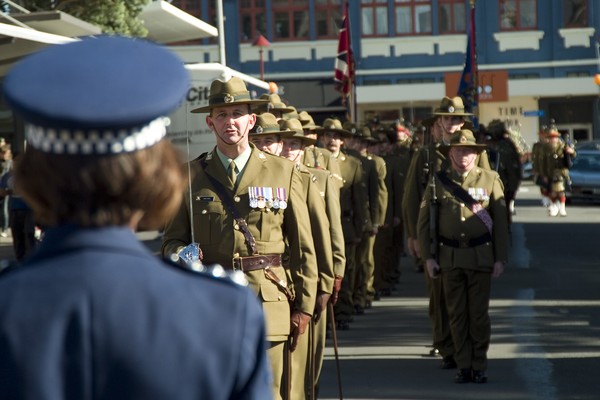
{"points": [[261, 42]]}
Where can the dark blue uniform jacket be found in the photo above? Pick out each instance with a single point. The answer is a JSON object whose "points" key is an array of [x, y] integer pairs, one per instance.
{"points": [[94, 315]]}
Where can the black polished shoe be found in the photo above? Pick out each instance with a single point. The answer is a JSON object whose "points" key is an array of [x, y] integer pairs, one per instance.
{"points": [[479, 376], [343, 325], [463, 376], [448, 363], [434, 352]]}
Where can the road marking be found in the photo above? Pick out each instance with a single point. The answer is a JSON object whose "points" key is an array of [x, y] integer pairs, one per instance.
{"points": [[537, 371]]}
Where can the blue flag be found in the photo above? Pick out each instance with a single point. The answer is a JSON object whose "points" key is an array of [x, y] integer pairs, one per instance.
{"points": [[467, 87]]}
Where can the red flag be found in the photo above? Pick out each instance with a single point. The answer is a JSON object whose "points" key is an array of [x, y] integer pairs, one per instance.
{"points": [[344, 63]]}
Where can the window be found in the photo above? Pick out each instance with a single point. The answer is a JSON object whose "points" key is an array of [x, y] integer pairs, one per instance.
{"points": [[252, 19], [413, 17], [518, 14], [451, 16], [575, 13], [374, 15], [290, 20], [328, 15]]}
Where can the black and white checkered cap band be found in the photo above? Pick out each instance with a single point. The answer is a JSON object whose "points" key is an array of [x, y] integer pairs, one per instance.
{"points": [[98, 142]]}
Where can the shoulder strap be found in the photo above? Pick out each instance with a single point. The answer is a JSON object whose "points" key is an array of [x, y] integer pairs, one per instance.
{"points": [[228, 202], [466, 198]]}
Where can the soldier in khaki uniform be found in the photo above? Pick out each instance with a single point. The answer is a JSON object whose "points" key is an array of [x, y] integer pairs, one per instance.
{"points": [[375, 172], [554, 170], [389, 240], [354, 210], [537, 151], [319, 157], [472, 247], [447, 119], [306, 372], [266, 192]]}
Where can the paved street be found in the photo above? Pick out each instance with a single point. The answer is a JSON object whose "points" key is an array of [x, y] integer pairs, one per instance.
{"points": [[545, 314]]}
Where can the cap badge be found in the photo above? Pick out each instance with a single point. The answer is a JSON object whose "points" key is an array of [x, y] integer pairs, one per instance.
{"points": [[463, 139], [451, 109], [228, 98], [332, 126], [259, 129]]}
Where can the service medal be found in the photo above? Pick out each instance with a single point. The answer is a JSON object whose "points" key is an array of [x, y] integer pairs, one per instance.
{"points": [[283, 204]]}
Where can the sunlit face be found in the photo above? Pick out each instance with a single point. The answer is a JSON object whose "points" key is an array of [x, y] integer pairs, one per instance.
{"points": [[292, 149], [462, 158], [449, 125], [268, 143], [231, 124], [332, 141], [310, 134]]}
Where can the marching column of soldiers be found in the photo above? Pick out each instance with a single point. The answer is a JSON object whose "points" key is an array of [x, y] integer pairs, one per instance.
{"points": [[317, 217]]}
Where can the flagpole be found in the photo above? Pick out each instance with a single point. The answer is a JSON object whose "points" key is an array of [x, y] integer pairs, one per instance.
{"points": [[475, 68]]}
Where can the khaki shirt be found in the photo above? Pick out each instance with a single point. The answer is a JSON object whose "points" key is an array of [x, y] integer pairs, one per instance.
{"points": [[320, 228], [457, 222], [330, 192], [220, 237], [353, 198]]}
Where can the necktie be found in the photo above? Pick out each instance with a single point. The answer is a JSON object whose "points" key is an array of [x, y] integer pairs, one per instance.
{"points": [[232, 173]]}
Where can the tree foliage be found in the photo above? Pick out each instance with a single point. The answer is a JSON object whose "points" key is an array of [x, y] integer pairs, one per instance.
{"points": [[113, 16]]}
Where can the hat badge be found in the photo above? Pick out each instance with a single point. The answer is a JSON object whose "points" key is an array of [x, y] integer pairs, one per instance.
{"points": [[332, 126], [463, 139], [451, 109], [353, 130], [228, 98], [259, 129]]}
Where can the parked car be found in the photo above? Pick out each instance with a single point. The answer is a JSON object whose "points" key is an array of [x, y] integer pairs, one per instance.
{"points": [[588, 145], [527, 171], [585, 176]]}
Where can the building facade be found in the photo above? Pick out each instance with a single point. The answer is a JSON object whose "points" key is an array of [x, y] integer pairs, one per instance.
{"points": [[537, 58]]}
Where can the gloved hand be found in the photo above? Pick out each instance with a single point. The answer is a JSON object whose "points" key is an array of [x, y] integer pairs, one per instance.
{"points": [[337, 288], [320, 305], [298, 323]]}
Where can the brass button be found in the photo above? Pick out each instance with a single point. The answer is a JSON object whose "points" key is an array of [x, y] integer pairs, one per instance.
{"points": [[261, 262], [462, 219], [236, 199], [204, 211], [462, 235], [462, 204], [236, 227]]}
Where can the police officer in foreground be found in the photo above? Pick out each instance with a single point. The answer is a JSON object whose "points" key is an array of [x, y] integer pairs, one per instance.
{"points": [[92, 313], [471, 246], [247, 208]]}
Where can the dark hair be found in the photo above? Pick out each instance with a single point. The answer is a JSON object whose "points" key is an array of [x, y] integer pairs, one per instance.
{"points": [[102, 190]]}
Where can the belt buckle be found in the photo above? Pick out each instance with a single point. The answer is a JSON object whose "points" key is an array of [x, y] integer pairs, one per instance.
{"points": [[236, 263], [463, 243]]}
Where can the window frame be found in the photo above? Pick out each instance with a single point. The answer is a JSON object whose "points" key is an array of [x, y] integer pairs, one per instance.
{"points": [[290, 9], [517, 17], [584, 23], [374, 5], [452, 17], [413, 5]]}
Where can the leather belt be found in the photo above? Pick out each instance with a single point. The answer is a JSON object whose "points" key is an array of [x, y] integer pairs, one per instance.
{"points": [[466, 243], [252, 263]]}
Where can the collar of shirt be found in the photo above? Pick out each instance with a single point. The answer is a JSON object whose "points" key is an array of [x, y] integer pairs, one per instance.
{"points": [[240, 161]]}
